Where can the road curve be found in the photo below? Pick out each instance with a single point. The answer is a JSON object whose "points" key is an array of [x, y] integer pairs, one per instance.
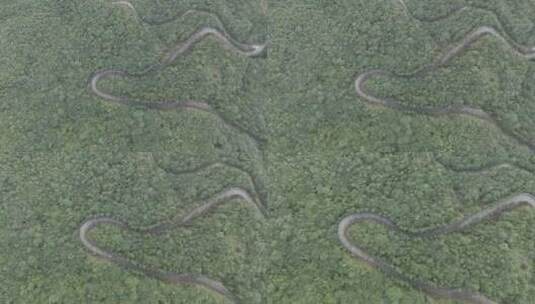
{"points": [[248, 50], [441, 61], [256, 193], [183, 221], [220, 34], [459, 225], [519, 49]]}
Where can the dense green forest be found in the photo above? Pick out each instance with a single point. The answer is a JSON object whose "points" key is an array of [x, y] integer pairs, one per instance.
{"points": [[267, 103]]}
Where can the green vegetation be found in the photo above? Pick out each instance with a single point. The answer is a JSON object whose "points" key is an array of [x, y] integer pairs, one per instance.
{"points": [[67, 155]]}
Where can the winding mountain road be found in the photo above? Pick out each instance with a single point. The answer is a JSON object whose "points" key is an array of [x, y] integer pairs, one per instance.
{"points": [[441, 61], [157, 229], [248, 50], [440, 292]]}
